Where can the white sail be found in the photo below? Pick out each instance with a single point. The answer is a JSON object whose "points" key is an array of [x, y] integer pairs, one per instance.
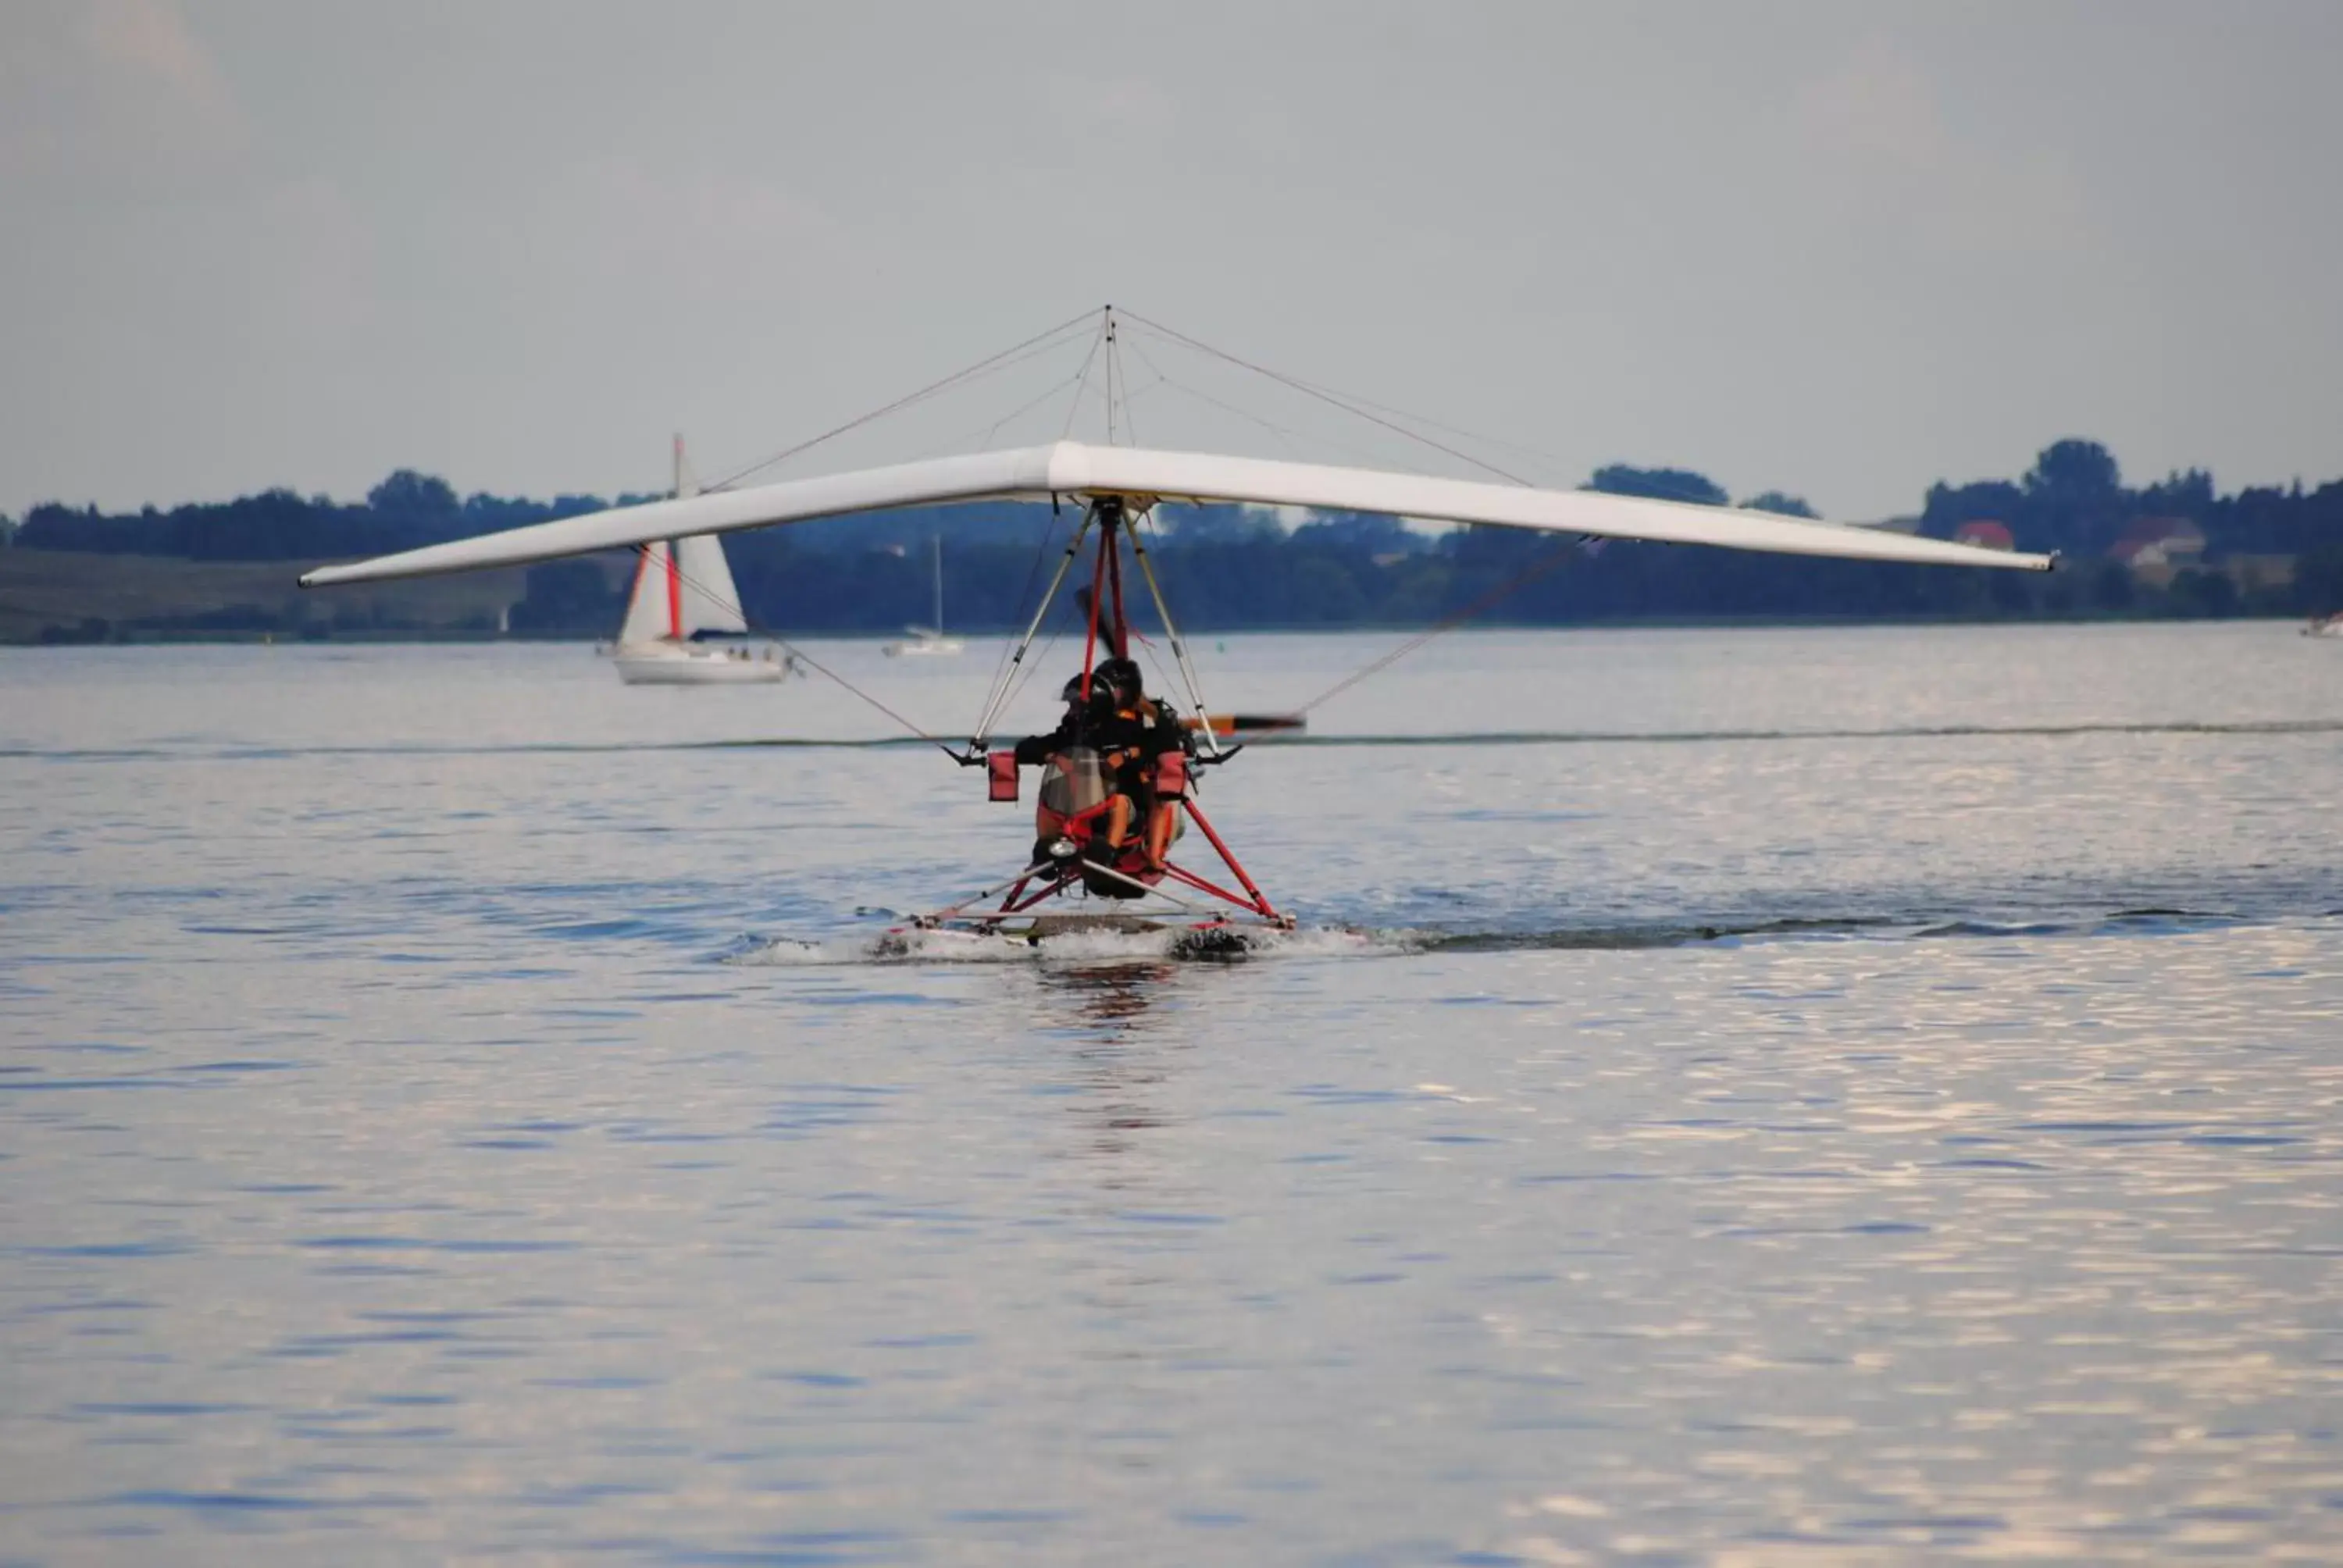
{"points": [[1143, 476], [655, 607], [682, 586], [710, 602]]}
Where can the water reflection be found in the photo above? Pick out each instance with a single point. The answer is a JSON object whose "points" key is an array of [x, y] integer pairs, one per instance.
{"points": [[1115, 997], [1120, 1052]]}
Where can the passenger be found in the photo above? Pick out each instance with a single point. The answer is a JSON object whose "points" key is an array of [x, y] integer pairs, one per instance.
{"points": [[1140, 733]]}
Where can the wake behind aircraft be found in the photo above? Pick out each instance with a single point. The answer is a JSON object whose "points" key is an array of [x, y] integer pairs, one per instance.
{"points": [[1121, 776]]}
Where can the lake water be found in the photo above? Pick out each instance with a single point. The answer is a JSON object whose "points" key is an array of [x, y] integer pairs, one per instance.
{"points": [[1835, 1096]]}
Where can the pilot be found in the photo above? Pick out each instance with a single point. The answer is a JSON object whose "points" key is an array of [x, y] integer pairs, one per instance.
{"points": [[1071, 782], [1084, 706]]}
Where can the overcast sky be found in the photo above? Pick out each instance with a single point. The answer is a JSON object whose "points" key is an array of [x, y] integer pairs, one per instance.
{"points": [[1842, 249]]}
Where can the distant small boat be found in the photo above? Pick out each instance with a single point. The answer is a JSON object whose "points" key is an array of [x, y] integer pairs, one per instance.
{"points": [[683, 622], [2325, 626], [928, 640]]}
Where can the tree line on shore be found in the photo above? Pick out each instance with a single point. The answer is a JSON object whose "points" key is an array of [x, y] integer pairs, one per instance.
{"points": [[1227, 568]]}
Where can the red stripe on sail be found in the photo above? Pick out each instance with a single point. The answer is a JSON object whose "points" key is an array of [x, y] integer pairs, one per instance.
{"points": [[674, 596]]}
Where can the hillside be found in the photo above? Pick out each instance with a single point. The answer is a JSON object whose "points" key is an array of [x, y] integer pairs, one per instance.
{"points": [[73, 596]]}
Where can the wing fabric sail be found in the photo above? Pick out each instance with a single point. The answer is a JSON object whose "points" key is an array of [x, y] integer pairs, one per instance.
{"points": [[1188, 476], [1072, 469], [939, 482]]}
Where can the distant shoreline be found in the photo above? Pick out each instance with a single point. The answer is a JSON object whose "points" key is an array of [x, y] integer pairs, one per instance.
{"points": [[75, 596], [2173, 549], [1751, 623]]}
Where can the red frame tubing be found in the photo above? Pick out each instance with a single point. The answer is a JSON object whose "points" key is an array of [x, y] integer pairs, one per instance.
{"points": [[1260, 899], [1257, 902], [1010, 907], [1114, 582], [1204, 886], [1098, 588]]}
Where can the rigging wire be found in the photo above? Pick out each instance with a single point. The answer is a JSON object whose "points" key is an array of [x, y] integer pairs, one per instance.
{"points": [[1425, 420], [1171, 632], [1009, 645], [1528, 574], [1123, 398], [1286, 436], [1082, 385], [1033, 570], [1032, 667], [1291, 439], [1454, 429], [999, 695], [1344, 400], [800, 654], [1000, 361], [1020, 411], [1680, 492], [1324, 396], [1129, 392]]}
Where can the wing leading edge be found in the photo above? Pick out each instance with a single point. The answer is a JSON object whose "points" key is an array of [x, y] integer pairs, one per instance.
{"points": [[1073, 468]]}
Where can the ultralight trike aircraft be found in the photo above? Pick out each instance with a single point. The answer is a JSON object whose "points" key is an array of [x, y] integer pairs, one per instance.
{"points": [[1118, 489]]}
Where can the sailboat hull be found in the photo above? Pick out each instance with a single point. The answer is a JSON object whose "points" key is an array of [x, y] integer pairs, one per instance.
{"points": [[653, 665]]}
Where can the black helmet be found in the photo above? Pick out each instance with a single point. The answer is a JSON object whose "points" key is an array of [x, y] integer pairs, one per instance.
{"points": [[1122, 676], [1073, 692]]}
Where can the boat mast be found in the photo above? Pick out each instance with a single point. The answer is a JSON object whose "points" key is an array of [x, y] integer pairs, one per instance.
{"points": [[684, 486]]}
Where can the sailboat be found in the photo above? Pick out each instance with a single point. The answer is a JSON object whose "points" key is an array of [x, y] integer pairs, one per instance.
{"points": [[929, 639], [683, 598]]}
